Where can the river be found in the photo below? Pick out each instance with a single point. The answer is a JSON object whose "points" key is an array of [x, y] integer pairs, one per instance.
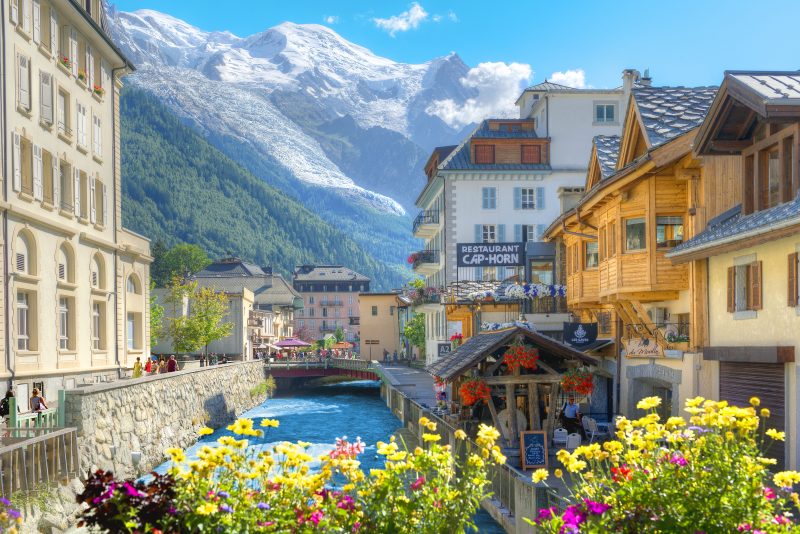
{"points": [[319, 415]]}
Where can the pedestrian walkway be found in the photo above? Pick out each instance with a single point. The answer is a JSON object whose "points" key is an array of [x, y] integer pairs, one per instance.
{"points": [[416, 384]]}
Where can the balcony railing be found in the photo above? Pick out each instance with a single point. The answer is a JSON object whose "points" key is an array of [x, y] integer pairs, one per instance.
{"points": [[426, 217], [355, 321], [425, 257], [325, 327], [671, 334], [331, 303], [547, 305]]}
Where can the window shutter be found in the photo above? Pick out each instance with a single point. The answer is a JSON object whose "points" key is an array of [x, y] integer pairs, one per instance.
{"points": [[517, 198], [501, 233], [46, 96], [755, 285], [37, 22], [540, 198], [73, 50], [53, 32], [731, 289], [76, 189], [14, 11], [93, 200], [17, 180], [793, 289], [56, 181], [105, 205], [540, 228], [37, 173], [89, 67], [24, 95], [517, 233], [26, 16], [97, 135]]}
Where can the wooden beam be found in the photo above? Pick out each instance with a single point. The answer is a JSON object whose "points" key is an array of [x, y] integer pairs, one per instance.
{"points": [[522, 379], [511, 408], [533, 407], [549, 426], [642, 313], [547, 368], [495, 420], [730, 146]]}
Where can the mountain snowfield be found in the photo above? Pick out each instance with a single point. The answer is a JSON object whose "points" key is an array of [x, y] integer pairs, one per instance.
{"points": [[311, 101]]}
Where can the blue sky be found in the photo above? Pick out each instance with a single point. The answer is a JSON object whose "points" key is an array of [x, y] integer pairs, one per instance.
{"points": [[681, 42]]}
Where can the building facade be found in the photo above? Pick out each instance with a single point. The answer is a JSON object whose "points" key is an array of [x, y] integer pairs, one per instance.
{"points": [[76, 282], [330, 300], [383, 317]]}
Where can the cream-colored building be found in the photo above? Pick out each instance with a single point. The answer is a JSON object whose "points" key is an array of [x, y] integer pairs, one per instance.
{"points": [[75, 297], [383, 316]]}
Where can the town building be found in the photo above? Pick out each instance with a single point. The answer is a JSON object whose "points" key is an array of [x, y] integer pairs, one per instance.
{"points": [[75, 304], [640, 192], [505, 183], [330, 301], [262, 308], [383, 318], [747, 246]]}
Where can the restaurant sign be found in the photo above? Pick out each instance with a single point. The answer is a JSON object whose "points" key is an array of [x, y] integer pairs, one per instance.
{"points": [[491, 254], [580, 334], [642, 347]]}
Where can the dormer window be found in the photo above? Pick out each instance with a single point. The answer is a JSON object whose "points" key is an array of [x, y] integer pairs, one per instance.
{"points": [[484, 154]]}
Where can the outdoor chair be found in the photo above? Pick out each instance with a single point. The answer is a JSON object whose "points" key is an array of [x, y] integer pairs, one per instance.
{"points": [[560, 437], [596, 432], [585, 424], [573, 441]]}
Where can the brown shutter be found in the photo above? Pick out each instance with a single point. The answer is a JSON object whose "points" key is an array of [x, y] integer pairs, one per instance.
{"points": [[755, 285], [792, 300], [731, 289]]}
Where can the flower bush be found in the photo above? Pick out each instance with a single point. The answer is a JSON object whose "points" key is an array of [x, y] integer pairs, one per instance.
{"points": [[233, 488], [65, 61], [474, 390], [456, 340], [10, 519], [578, 381], [705, 475], [517, 356], [98, 90]]}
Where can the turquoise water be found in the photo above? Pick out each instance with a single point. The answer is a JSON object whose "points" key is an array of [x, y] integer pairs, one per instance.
{"points": [[319, 415]]}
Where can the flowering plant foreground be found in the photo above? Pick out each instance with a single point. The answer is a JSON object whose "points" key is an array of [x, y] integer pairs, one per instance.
{"points": [[705, 475], [231, 488]]}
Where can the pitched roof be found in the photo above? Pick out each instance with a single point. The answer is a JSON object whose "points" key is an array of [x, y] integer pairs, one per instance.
{"points": [[607, 147], [231, 267], [779, 87], [732, 225], [668, 112], [460, 158], [329, 273], [232, 274], [549, 86]]}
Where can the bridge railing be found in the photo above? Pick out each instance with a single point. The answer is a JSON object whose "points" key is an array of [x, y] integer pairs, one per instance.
{"points": [[328, 363]]}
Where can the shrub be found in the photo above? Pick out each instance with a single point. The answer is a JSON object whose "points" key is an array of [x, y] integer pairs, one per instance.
{"points": [[707, 475]]}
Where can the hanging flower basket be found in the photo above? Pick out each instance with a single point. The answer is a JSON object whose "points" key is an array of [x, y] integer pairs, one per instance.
{"points": [[456, 340], [518, 356], [412, 258], [578, 381], [438, 384], [474, 390]]}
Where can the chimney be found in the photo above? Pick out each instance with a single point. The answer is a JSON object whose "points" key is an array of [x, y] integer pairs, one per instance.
{"points": [[629, 77], [646, 80]]}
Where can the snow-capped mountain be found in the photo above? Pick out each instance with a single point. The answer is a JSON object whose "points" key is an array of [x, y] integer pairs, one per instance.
{"points": [[329, 112]]}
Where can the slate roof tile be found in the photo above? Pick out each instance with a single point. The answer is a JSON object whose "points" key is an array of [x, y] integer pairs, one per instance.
{"points": [[607, 147], [668, 112]]}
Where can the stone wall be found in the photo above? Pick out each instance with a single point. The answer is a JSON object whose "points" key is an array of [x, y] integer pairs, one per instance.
{"points": [[154, 413]]}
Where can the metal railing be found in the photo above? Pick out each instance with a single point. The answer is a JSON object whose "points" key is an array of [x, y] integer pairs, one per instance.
{"points": [[667, 333], [547, 305], [31, 457], [335, 302], [425, 217], [425, 256], [327, 363]]}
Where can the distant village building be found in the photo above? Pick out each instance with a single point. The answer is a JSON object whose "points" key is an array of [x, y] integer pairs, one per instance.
{"points": [[330, 300], [75, 309], [383, 320]]}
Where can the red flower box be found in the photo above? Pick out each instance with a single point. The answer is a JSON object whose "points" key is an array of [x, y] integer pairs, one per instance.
{"points": [[518, 356], [474, 390]]}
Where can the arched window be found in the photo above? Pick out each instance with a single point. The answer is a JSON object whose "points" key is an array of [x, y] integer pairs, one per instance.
{"points": [[65, 267], [97, 273], [25, 254], [133, 285]]}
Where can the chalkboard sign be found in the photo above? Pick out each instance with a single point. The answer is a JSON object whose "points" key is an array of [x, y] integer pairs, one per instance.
{"points": [[533, 449]]}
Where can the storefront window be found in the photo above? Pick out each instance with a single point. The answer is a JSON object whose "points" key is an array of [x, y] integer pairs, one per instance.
{"points": [[591, 254], [542, 272], [635, 237], [669, 232]]}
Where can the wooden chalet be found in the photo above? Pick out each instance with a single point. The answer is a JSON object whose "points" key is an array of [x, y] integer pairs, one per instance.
{"points": [[536, 394]]}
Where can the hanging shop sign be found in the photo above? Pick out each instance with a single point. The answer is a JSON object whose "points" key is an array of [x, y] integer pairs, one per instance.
{"points": [[642, 347], [491, 254], [580, 334]]}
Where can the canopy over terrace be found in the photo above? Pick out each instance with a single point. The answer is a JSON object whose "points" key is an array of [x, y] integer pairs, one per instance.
{"points": [[292, 343], [535, 393], [342, 345]]}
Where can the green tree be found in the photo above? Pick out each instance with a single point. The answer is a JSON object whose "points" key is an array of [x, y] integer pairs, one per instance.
{"points": [[208, 309], [339, 334], [156, 317], [181, 260], [415, 331], [178, 326]]}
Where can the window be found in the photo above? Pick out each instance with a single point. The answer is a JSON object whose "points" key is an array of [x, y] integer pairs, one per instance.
{"points": [[391, 310], [771, 193], [67, 195], [635, 237], [97, 322], [311, 299], [133, 321], [605, 113], [24, 82], [97, 136], [601, 241], [26, 15], [374, 310], [63, 323], [528, 198], [63, 114], [590, 256], [64, 269], [484, 154], [669, 231], [46, 97], [542, 272], [23, 323], [612, 239], [133, 285], [603, 322], [529, 232], [97, 276], [744, 287], [489, 198], [81, 124], [324, 312], [350, 298], [531, 154], [489, 233]]}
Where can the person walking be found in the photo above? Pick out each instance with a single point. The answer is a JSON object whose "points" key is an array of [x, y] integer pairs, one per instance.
{"points": [[172, 364], [36, 402], [148, 367], [5, 406], [137, 368], [162, 365]]}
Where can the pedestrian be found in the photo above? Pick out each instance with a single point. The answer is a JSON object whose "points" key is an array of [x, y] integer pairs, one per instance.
{"points": [[394, 356], [148, 367], [162, 365], [5, 405], [172, 364], [36, 402], [137, 368], [571, 415]]}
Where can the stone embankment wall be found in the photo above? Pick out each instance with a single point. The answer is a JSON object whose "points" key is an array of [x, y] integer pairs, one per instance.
{"points": [[154, 413]]}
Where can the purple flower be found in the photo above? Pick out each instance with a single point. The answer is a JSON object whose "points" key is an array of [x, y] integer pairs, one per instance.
{"points": [[224, 494], [545, 514], [263, 506], [678, 459], [346, 503], [573, 517], [13, 514], [172, 510], [225, 508], [131, 490], [596, 508], [5, 501]]}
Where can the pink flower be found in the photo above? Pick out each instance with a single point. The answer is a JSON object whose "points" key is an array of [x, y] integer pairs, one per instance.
{"points": [[317, 516], [545, 514], [417, 484], [573, 517], [678, 459], [596, 508], [744, 527], [769, 493], [780, 520]]}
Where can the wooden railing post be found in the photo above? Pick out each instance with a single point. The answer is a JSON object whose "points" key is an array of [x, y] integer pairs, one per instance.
{"points": [[62, 408], [12, 412]]}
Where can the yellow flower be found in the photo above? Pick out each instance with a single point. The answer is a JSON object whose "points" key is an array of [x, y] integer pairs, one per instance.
{"points": [[614, 447], [176, 454], [558, 473], [205, 431], [755, 401], [765, 413], [207, 508], [767, 461], [431, 437], [695, 402], [460, 434], [270, 422], [423, 421], [786, 479], [540, 475], [648, 403], [774, 434]]}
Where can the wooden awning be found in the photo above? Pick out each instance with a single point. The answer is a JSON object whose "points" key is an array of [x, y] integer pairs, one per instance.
{"points": [[482, 345]]}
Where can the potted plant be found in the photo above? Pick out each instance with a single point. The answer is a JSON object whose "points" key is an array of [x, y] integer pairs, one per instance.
{"points": [[456, 340], [474, 390], [98, 90], [82, 75], [578, 381], [519, 355], [65, 62]]}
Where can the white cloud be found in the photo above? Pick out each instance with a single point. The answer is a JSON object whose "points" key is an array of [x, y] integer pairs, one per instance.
{"points": [[436, 18], [452, 16], [573, 78], [498, 85], [331, 19], [407, 20]]}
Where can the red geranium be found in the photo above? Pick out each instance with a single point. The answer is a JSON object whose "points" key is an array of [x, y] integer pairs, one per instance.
{"points": [[579, 381], [521, 356], [474, 390]]}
